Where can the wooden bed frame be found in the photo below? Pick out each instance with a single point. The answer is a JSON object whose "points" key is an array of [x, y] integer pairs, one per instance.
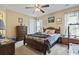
{"points": [[42, 47], [51, 28]]}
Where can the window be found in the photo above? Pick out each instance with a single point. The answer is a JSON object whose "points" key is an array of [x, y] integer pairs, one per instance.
{"points": [[32, 26], [72, 18], [2, 24], [39, 25], [35, 25]]}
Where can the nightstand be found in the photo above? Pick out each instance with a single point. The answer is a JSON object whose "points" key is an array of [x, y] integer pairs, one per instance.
{"points": [[64, 40], [71, 40], [7, 47]]}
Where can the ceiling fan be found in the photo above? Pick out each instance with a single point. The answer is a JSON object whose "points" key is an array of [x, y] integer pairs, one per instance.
{"points": [[38, 7]]}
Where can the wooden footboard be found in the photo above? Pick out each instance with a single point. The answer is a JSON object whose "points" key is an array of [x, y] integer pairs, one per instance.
{"points": [[40, 46]]}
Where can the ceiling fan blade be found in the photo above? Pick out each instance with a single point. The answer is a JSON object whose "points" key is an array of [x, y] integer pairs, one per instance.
{"points": [[45, 6], [29, 7], [42, 11]]}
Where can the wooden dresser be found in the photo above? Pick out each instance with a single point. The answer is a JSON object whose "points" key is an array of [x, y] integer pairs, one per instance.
{"points": [[20, 32], [65, 41]]}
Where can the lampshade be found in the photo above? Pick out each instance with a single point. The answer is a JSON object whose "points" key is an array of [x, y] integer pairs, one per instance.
{"points": [[2, 26], [37, 9]]}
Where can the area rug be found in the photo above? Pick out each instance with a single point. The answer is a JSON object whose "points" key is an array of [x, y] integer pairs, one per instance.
{"points": [[58, 49]]}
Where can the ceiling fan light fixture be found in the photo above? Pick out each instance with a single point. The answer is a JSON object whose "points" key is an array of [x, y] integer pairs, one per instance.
{"points": [[37, 9]]}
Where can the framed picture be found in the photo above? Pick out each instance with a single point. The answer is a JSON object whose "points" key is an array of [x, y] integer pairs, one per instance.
{"points": [[20, 20], [51, 19], [59, 20]]}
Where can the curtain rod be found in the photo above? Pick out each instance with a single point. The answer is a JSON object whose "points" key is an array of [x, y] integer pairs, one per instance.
{"points": [[74, 24]]}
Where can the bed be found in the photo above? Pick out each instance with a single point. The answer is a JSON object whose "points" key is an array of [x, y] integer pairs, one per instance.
{"points": [[43, 41]]}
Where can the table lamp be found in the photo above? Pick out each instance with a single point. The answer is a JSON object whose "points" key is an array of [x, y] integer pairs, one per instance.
{"points": [[2, 27]]}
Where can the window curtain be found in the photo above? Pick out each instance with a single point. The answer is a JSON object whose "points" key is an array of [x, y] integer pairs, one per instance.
{"points": [[72, 18]]}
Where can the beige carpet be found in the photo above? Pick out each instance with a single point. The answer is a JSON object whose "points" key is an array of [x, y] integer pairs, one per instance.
{"points": [[57, 49]]}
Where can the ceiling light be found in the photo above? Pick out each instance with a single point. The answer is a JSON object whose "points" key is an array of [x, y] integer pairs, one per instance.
{"points": [[37, 9]]}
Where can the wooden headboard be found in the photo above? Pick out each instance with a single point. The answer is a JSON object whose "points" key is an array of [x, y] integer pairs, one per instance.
{"points": [[57, 30]]}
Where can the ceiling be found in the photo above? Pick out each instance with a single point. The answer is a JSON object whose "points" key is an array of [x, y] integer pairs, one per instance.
{"points": [[21, 8]]}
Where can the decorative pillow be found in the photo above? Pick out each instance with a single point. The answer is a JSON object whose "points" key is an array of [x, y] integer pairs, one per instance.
{"points": [[50, 32], [47, 31]]}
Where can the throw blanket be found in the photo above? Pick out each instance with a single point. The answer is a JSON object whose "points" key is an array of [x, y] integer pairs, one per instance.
{"points": [[53, 38], [40, 35]]}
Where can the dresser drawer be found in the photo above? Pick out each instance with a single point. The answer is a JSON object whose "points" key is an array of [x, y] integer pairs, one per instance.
{"points": [[21, 31]]}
